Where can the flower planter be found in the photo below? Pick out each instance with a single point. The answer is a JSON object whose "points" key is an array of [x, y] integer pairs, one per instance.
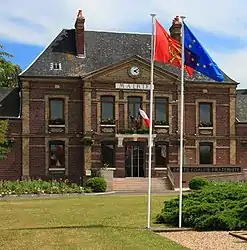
{"points": [[108, 176]]}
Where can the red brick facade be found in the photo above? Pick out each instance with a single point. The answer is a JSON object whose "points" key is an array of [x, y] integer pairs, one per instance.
{"points": [[219, 134], [11, 168], [241, 133], [39, 136]]}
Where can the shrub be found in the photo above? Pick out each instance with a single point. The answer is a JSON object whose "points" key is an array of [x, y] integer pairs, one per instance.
{"points": [[88, 190], [219, 206], [198, 183], [38, 187], [96, 184]]}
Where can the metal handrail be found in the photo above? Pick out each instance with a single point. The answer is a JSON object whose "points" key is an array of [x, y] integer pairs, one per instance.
{"points": [[171, 177]]}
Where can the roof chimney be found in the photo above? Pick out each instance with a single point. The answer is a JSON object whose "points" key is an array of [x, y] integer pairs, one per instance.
{"points": [[79, 34], [175, 29]]}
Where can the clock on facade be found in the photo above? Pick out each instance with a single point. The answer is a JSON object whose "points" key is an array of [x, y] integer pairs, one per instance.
{"points": [[134, 71]]}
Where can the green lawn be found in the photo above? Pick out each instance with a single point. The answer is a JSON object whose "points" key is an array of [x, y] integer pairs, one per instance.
{"points": [[86, 222]]}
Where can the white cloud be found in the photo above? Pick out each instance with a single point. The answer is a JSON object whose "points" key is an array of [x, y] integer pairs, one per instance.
{"points": [[217, 16], [234, 64]]}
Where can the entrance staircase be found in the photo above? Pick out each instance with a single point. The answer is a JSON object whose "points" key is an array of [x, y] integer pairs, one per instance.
{"points": [[135, 184]]}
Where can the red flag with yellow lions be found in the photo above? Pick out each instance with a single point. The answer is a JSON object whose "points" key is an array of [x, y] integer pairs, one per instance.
{"points": [[167, 49]]}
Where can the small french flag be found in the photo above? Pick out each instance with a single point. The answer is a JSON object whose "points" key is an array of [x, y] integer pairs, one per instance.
{"points": [[144, 117]]}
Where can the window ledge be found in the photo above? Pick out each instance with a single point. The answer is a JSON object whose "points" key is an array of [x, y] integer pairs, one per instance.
{"points": [[108, 169], [57, 126], [108, 125], [161, 126], [134, 135], [56, 169], [161, 169], [205, 128]]}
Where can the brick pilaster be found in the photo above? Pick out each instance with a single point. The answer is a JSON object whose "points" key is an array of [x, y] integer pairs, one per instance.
{"points": [[232, 122], [25, 130], [87, 117]]}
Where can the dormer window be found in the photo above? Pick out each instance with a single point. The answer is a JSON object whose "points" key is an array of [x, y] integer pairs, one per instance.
{"points": [[55, 66]]}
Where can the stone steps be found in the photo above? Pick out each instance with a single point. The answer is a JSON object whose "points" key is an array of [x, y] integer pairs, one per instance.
{"points": [[159, 185]]}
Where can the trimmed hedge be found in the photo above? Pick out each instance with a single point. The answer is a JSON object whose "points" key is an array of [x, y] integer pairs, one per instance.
{"points": [[96, 184], [218, 206], [198, 183], [38, 187]]}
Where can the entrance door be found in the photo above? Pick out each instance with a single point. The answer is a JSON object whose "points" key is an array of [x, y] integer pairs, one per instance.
{"points": [[134, 159]]}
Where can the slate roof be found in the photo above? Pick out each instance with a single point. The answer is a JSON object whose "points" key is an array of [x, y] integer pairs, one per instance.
{"points": [[102, 49], [241, 103], [9, 103]]}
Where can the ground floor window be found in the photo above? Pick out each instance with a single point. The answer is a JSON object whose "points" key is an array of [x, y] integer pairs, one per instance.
{"points": [[161, 155], [108, 153], [206, 152], [57, 154]]}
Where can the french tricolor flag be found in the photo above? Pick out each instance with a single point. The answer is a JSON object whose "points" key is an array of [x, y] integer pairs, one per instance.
{"points": [[144, 117]]}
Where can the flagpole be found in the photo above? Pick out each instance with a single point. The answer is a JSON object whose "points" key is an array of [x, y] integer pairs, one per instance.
{"points": [[181, 127], [151, 121]]}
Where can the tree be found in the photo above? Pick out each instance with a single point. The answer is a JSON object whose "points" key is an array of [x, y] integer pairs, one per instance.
{"points": [[8, 70], [5, 142], [8, 78]]}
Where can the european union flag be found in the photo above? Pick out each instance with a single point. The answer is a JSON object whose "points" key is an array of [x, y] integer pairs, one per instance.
{"points": [[197, 57]]}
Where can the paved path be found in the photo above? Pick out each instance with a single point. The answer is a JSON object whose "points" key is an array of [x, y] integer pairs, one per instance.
{"points": [[206, 240], [43, 196]]}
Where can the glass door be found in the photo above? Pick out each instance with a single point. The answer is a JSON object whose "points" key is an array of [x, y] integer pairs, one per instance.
{"points": [[134, 160]]}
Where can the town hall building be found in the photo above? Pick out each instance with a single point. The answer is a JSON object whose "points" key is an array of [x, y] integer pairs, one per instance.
{"points": [[78, 112]]}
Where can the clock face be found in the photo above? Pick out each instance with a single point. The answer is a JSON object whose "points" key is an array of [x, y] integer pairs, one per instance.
{"points": [[134, 71]]}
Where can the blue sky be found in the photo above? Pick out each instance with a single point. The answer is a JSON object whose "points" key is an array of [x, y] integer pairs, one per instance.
{"points": [[24, 54], [220, 25]]}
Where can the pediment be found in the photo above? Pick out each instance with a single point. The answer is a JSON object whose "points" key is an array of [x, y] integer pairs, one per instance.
{"points": [[130, 71]]}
